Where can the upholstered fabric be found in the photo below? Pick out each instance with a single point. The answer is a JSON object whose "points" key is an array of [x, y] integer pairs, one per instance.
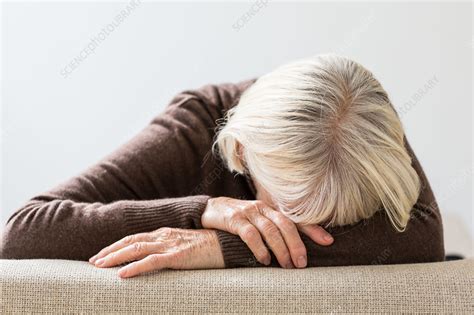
{"points": [[42, 286]]}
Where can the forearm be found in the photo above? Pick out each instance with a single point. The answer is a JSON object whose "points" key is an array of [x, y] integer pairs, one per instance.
{"points": [[63, 229], [124, 192], [362, 244]]}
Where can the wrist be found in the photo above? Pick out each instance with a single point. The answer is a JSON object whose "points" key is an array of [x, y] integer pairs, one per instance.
{"points": [[216, 253], [209, 214], [205, 214]]}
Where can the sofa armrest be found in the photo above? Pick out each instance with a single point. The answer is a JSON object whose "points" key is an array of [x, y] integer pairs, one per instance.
{"points": [[46, 286]]}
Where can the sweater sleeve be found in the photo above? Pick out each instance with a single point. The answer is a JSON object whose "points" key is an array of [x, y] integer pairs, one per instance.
{"points": [[137, 188], [371, 241]]}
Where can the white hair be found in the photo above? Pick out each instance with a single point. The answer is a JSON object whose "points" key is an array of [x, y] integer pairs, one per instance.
{"points": [[321, 136]]}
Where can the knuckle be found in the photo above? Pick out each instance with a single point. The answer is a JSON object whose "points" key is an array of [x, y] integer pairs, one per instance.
{"points": [[143, 237], [235, 215], [138, 248], [234, 226], [258, 205], [249, 234], [165, 231], [245, 211], [129, 239], [270, 229], [253, 206], [285, 224]]}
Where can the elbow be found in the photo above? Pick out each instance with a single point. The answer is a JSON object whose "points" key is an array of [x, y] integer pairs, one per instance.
{"points": [[45, 230], [8, 247], [427, 231], [12, 242], [19, 238]]}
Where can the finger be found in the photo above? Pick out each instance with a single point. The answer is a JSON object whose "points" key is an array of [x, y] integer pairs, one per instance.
{"points": [[128, 240], [291, 236], [272, 236], [250, 235], [317, 234], [132, 252], [149, 263]]}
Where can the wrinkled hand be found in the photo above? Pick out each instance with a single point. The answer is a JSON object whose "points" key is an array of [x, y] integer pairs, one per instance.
{"points": [[256, 222], [164, 248]]}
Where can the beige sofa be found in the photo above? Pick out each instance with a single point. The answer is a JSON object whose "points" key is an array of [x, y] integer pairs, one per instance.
{"points": [[61, 286]]}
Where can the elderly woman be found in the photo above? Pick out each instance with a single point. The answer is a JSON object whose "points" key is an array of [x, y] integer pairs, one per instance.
{"points": [[257, 173]]}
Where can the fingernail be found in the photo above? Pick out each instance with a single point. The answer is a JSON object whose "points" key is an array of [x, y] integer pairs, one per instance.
{"points": [[100, 262], [92, 259], [301, 262], [289, 265], [328, 237]]}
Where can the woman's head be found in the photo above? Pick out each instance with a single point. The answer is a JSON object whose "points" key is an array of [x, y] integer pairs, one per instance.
{"points": [[322, 139]]}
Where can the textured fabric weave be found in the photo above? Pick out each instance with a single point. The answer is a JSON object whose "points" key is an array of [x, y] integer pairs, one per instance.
{"points": [[60, 286]]}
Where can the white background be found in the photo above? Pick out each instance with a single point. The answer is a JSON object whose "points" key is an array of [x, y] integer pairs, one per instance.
{"points": [[53, 126]]}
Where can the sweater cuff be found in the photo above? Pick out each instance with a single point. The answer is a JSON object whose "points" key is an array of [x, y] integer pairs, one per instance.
{"points": [[236, 253], [149, 215]]}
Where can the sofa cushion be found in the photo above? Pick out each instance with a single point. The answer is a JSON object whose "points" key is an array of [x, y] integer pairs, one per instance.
{"points": [[45, 286]]}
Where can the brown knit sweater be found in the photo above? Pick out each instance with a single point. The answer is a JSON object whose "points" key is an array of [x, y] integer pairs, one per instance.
{"points": [[164, 176]]}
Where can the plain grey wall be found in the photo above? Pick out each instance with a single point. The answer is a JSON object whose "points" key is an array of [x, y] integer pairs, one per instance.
{"points": [[55, 125]]}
